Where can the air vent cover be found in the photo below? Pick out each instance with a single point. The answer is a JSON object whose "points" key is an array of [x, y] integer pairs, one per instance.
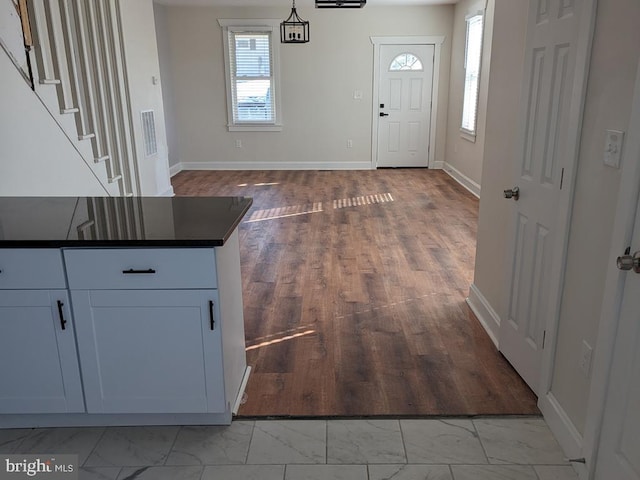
{"points": [[149, 132]]}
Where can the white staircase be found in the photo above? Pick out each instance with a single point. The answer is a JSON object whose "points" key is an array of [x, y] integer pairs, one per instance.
{"points": [[79, 74]]}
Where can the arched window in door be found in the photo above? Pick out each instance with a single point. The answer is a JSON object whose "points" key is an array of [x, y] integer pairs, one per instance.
{"points": [[406, 61]]}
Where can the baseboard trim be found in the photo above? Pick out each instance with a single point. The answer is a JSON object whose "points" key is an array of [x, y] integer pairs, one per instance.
{"points": [[175, 169], [275, 166], [564, 430], [168, 193], [463, 180], [486, 315], [439, 165]]}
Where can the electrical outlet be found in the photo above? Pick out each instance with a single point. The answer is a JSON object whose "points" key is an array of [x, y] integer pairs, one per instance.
{"points": [[613, 148], [585, 358], [238, 143], [349, 143]]}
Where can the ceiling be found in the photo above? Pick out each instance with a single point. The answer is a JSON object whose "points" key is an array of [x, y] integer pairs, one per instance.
{"points": [[299, 3]]}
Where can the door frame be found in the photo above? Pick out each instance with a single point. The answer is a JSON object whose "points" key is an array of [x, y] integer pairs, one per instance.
{"points": [[377, 42], [623, 227], [555, 416]]}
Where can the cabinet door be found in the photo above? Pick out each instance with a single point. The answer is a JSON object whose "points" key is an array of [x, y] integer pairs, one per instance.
{"points": [[150, 351], [38, 358]]}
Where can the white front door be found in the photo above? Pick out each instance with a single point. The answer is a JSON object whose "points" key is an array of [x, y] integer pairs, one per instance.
{"points": [[548, 113], [406, 88], [619, 450]]}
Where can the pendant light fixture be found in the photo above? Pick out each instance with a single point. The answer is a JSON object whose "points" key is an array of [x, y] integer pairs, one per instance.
{"points": [[294, 29]]}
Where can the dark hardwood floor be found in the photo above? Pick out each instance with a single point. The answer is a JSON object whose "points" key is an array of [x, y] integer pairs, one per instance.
{"points": [[354, 295]]}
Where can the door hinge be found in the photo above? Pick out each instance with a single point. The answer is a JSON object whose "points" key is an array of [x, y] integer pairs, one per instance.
{"points": [[562, 179]]}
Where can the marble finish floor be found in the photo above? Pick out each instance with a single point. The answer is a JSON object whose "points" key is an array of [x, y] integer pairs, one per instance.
{"points": [[446, 449]]}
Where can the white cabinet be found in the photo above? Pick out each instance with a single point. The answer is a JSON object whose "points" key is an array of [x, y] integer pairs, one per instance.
{"points": [[38, 359], [121, 336], [149, 330], [150, 351]]}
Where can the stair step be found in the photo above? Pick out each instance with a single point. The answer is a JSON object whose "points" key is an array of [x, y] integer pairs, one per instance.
{"points": [[115, 179], [50, 81], [129, 195], [101, 159], [68, 111], [88, 136]]}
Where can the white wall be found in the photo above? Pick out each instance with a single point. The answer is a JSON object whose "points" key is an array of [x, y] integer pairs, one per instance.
{"points": [[504, 87], [610, 88], [608, 106], [164, 55], [318, 83], [141, 59], [36, 158], [464, 158]]}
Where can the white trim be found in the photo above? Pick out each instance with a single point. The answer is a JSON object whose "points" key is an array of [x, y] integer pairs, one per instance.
{"points": [[471, 185], [485, 313], [168, 193], [175, 169], [275, 166], [563, 430], [436, 41], [243, 387], [254, 128], [265, 24], [614, 284]]}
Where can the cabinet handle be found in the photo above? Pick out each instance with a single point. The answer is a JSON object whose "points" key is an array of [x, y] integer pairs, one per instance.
{"points": [[63, 322], [151, 271], [211, 315]]}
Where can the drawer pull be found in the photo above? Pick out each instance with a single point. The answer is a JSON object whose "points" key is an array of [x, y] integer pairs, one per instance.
{"points": [[151, 271], [63, 322], [211, 316]]}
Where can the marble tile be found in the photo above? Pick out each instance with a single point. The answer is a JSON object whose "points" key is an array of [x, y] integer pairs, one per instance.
{"points": [[288, 441], [212, 445], [326, 472], [519, 441], [133, 446], [442, 442], [161, 473], [409, 472], [555, 472], [493, 472], [10, 440], [244, 472], [364, 441], [99, 473], [72, 441]]}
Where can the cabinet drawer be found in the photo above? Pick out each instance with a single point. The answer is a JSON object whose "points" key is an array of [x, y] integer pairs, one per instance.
{"points": [[25, 269], [146, 269]]}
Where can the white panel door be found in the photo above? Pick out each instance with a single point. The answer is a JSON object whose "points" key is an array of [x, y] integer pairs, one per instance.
{"points": [[406, 88], [619, 451], [150, 351], [547, 112]]}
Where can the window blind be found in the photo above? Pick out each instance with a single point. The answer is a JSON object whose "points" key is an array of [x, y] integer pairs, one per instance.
{"points": [[473, 58], [251, 62]]}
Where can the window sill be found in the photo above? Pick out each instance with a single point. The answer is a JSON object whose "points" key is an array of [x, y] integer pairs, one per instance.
{"points": [[254, 128], [469, 137]]}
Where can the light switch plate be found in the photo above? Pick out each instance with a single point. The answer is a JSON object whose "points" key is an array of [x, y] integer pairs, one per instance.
{"points": [[613, 148]]}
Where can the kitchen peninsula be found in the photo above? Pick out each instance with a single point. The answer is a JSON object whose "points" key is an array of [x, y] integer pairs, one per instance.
{"points": [[120, 311]]}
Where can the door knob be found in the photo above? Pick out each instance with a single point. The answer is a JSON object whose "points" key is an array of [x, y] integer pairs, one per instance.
{"points": [[628, 262], [382, 114], [513, 193]]}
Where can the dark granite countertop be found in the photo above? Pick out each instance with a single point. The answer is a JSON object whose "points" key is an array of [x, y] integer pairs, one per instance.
{"points": [[40, 222]]}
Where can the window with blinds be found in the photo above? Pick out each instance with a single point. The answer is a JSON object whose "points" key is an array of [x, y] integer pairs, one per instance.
{"points": [[473, 57], [252, 78]]}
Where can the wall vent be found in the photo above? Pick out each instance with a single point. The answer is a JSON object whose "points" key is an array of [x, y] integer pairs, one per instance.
{"points": [[149, 132]]}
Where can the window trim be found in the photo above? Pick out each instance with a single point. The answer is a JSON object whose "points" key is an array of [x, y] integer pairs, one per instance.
{"points": [[252, 25], [465, 133]]}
